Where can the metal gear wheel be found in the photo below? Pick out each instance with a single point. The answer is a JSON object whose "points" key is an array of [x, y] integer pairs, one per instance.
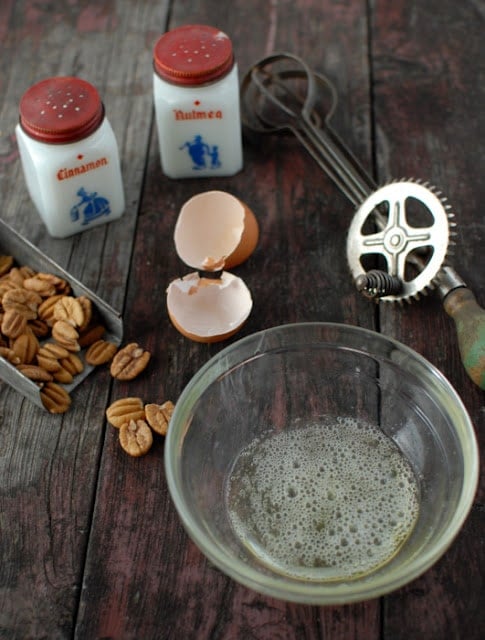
{"points": [[413, 237]]}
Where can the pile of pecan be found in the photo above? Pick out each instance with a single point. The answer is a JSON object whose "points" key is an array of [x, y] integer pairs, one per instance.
{"points": [[44, 331]]}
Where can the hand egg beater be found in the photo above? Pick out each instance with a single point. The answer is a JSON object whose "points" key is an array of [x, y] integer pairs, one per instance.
{"points": [[412, 257]]}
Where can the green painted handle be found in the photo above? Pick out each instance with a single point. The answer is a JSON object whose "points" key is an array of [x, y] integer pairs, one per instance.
{"points": [[469, 319]]}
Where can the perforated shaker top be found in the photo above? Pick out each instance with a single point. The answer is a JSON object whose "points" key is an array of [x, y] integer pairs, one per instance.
{"points": [[193, 54], [60, 110]]}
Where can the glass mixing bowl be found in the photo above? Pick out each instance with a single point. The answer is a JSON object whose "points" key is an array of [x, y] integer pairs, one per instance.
{"points": [[321, 463]]}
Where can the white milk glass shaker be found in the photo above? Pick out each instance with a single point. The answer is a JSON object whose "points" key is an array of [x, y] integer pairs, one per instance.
{"points": [[196, 97], [69, 156]]}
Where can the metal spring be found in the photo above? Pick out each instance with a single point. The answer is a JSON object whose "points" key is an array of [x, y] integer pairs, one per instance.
{"points": [[378, 284]]}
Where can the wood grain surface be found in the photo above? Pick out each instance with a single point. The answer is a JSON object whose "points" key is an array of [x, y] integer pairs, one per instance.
{"points": [[90, 543]]}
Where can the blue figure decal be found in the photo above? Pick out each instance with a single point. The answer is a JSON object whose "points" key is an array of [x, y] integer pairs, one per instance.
{"points": [[214, 154], [201, 153], [91, 206]]}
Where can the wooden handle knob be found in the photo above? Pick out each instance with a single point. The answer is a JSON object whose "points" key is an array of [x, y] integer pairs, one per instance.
{"points": [[469, 319]]}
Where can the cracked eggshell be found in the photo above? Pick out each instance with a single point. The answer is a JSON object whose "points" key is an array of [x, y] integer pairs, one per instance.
{"points": [[215, 230], [206, 309]]}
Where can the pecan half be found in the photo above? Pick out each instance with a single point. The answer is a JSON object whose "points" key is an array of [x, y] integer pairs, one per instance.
{"points": [[41, 286], [90, 335], [69, 309], [66, 335], [23, 301], [101, 352], [46, 309], [9, 355], [13, 323], [123, 410], [55, 350], [72, 363], [47, 360], [129, 362], [158, 416], [16, 277], [6, 285], [47, 284], [62, 375], [55, 398], [26, 271], [87, 307], [35, 373], [39, 328], [6, 263], [26, 347], [136, 437]]}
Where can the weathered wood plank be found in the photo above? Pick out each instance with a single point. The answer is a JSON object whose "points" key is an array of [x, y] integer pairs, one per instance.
{"points": [[49, 465], [428, 73], [292, 276]]}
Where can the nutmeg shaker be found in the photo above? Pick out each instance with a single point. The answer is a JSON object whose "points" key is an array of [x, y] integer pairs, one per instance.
{"points": [[196, 97]]}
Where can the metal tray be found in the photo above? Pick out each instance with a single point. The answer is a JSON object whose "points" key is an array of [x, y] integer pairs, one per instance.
{"points": [[25, 253]]}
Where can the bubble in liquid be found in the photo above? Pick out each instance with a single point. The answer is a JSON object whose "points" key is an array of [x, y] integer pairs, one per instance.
{"points": [[343, 510]]}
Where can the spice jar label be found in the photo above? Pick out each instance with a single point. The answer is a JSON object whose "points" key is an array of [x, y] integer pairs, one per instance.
{"points": [[196, 96]]}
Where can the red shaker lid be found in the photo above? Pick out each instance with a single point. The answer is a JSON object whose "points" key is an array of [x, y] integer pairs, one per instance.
{"points": [[193, 54], [60, 110]]}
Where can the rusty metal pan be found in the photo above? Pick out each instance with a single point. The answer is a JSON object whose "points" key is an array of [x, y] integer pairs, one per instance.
{"points": [[25, 253]]}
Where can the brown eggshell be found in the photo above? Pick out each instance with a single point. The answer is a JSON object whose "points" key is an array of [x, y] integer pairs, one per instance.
{"points": [[215, 228], [248, 242], [208, 310]]}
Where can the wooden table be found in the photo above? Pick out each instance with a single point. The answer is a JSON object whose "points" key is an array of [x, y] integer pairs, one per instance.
{"points": [[90, 543]]}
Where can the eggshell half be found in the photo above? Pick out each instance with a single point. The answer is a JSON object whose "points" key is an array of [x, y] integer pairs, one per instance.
{"points": [[208, 310], [215, 230]]}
